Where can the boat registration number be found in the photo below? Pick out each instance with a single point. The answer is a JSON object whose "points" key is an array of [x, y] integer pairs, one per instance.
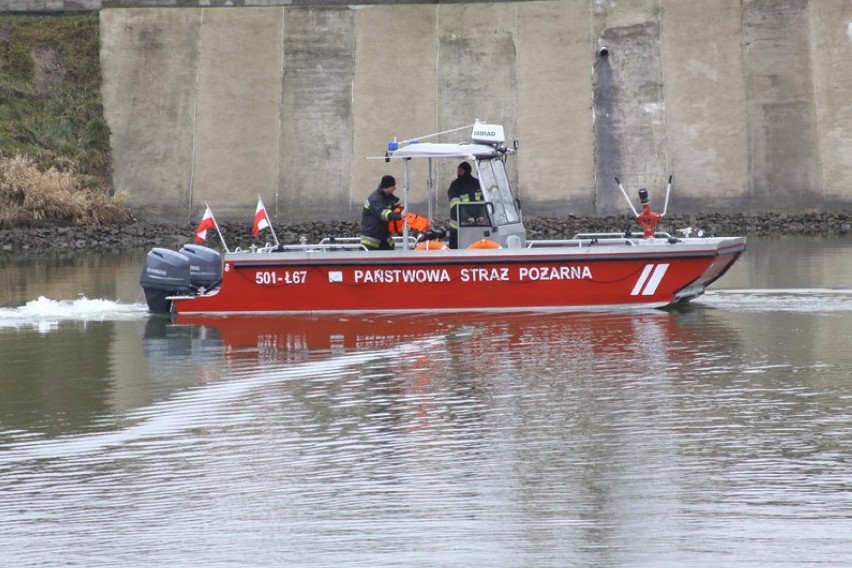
{"points": [[273, 277]]}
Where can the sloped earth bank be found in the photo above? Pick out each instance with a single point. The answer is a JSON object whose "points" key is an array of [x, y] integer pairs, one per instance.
{"points": [[33, 242]]}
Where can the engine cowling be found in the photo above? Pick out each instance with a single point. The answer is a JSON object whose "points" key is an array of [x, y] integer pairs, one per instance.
{"points": [[205, 266], [166, 273]]}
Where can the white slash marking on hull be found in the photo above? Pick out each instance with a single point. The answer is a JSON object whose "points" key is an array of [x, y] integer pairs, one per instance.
{"points": [[647, 286]]}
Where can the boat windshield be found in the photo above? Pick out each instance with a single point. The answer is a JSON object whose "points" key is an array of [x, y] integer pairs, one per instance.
{"points": [[495, 182]]}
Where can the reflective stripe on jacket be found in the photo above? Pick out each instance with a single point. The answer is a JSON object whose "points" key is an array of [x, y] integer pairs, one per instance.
{"points": [[377, 212], [463, 189]]}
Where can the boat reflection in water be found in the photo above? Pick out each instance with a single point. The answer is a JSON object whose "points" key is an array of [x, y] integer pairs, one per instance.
{"points": [[593, 339], [451, 374]]}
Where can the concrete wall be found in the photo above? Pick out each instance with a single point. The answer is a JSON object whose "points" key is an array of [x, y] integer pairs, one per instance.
{"points": [[746, 102]]}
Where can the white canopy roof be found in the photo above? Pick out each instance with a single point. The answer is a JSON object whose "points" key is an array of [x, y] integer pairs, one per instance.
{"points": [[435, 150]]}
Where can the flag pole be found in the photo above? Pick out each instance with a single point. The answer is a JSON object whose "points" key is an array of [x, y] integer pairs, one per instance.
{"points": [[268, 220], [218, 230]]}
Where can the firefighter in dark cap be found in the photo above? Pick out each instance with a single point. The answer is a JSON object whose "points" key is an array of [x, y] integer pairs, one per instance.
{"points": [[378, 211]]}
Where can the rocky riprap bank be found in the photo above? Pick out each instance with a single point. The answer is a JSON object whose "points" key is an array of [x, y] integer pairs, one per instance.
{"points": [[26, 242]]}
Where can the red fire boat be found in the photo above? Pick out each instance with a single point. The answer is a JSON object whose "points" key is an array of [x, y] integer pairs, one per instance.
{"points": [[495, 268]]}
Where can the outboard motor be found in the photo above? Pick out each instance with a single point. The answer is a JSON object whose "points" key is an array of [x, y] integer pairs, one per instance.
{"points": [[166, 273], [205, 266]]}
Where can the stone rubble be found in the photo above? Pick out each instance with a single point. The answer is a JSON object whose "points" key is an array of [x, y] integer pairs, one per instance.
{"points": [[34, 242]]}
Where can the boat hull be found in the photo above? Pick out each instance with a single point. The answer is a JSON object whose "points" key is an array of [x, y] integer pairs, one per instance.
{"points": [[651, 274]]}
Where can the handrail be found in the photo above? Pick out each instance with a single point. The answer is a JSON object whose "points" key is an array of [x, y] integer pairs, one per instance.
{"points": [[327, 244], [591, 239], [657, 234]]}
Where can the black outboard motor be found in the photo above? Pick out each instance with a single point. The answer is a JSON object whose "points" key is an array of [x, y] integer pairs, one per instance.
{"points": [[205, 266], [166, 273]]}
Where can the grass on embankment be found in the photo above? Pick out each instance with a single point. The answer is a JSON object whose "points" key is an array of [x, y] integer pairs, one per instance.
{"points": [[54, 141]]}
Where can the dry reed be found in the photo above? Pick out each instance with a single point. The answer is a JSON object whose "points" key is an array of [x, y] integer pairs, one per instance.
{"points": [[34, 196]]}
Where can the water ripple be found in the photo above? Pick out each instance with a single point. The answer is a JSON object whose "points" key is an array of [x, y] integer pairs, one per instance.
{"points": [[649, 439], [800, 300]]}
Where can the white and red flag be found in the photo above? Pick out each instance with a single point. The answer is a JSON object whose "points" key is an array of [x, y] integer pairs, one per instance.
{"points": [[261, 219], [207, 223]]}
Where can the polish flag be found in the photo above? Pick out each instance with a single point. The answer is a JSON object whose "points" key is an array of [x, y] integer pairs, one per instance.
{"points": [[207, 222], [261, 219]]}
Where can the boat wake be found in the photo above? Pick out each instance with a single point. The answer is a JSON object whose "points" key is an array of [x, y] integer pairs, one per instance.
{"points": [[46, 312], [203, 408], [803, 300]]}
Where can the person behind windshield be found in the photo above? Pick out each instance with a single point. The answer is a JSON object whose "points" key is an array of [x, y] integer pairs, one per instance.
{"points": [[378, 210], [463, 189]]}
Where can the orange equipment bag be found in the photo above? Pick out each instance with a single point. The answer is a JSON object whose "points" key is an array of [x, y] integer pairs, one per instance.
{"points": [[415, 223]]}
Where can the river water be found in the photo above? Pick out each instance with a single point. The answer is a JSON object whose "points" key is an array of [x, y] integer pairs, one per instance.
{"points": [[717, 435]]}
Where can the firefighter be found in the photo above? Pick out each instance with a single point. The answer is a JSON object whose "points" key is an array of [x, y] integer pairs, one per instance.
{"points": [[379, 209], [463, 189]]}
